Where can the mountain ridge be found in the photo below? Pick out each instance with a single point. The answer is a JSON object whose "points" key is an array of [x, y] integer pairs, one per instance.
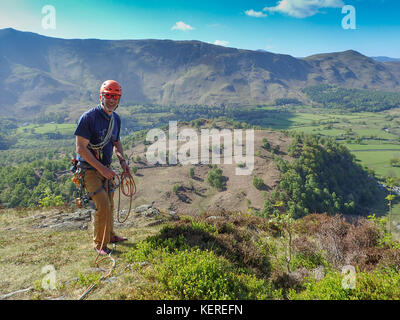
{"points": [[67, 72]]}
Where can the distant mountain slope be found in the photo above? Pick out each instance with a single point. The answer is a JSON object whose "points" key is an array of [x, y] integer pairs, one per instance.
{"points": [[37, 72], [352, 69], [385, 59]]}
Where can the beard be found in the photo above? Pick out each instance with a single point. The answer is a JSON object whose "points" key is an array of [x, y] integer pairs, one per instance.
{"points": [[110, 107]]}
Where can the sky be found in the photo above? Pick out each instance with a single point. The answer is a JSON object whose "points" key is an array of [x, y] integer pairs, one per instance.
{"points": [[296, 27]]}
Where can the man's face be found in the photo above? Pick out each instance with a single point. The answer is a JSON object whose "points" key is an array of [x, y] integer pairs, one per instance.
{"points": [[110, 102]]}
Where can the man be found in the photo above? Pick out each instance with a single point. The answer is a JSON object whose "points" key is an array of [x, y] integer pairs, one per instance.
{"points": [[97, 136]]}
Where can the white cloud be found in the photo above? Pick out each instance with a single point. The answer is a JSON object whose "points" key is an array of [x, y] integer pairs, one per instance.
{"points": [[221, 42], [256, 14], [180, 25], [303, 8]]}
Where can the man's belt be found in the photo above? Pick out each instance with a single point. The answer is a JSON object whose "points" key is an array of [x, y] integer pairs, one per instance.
{"points": [[86, 166]]}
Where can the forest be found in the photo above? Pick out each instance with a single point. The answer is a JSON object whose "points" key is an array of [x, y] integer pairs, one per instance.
{"points": [[355, 100], [323, 177]]}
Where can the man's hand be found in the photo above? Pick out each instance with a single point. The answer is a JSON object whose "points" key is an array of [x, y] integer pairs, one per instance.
{"points": [[125, 167], [107, 172]]}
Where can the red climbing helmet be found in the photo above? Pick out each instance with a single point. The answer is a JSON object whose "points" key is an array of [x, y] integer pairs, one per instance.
{"points": [[111, 86]]}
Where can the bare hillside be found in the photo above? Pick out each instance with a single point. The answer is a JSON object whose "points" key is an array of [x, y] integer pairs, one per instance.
{"points": [[191, 195]]}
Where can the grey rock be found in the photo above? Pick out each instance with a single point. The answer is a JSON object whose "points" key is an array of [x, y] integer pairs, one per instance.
{"points": [[67, 225], [83, 215], [110, 280], [142, 208], [299, 275], [155, 223], [151, 212], [173, 215], [214, 218]]}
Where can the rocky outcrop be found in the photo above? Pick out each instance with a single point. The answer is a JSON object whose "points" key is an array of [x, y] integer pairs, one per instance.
{"points": [[81, 219], [60, 221]]}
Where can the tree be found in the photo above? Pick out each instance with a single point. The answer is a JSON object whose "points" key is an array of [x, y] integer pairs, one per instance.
{"points": [[258, 183], [390, 198], [284, 222], [265, 144], [215, 178], [50, 200]]}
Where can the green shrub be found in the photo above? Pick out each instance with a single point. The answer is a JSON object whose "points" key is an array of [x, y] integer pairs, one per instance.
{"points": [[203, 226], [241, 165], [265, 144], [215, 178], [197, 274], [191, 173], [50, 200], [258, 183], [176, 188], [181, 271], [376, 285], [308, 261], [84, 280]]}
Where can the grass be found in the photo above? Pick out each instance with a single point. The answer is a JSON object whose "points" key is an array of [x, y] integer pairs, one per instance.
{"points": [[64, 128], [336, 124], [193, 258], [379, 162], [25, 250]]}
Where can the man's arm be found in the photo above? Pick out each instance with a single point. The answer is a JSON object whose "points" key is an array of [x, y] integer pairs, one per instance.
{"points": [[81, 148], [119, 152]]}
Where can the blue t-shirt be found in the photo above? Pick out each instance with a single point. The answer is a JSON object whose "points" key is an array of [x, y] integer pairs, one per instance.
{"points": [[93, 125]]}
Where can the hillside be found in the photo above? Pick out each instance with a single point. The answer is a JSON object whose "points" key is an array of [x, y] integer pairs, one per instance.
{"points": [[315, 174], [221, 256], [279, 161], [194, 195], [351, 69], [60, 74], [191, 239]]}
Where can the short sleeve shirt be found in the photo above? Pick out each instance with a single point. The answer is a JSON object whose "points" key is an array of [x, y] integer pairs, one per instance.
{"points": [[93, 125]]}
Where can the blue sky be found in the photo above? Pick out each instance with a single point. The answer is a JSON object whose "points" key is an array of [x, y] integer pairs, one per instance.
{"points": [[296, 27]]}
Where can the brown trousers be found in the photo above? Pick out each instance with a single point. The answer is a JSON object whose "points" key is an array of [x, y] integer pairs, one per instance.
{"points": [[104, 208]]}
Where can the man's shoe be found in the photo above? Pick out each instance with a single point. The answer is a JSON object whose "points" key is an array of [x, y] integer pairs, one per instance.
{"points": [[103, 251], [116, 239]]}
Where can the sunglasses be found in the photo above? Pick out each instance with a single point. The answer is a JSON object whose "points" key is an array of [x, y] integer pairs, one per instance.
{"points": [[109, 96]]}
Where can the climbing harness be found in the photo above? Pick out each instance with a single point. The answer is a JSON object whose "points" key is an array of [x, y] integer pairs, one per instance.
{"points": [[78, 179]]}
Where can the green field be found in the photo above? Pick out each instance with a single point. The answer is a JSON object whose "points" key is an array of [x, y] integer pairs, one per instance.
{"points": [[64, 128], [373, 137]]}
